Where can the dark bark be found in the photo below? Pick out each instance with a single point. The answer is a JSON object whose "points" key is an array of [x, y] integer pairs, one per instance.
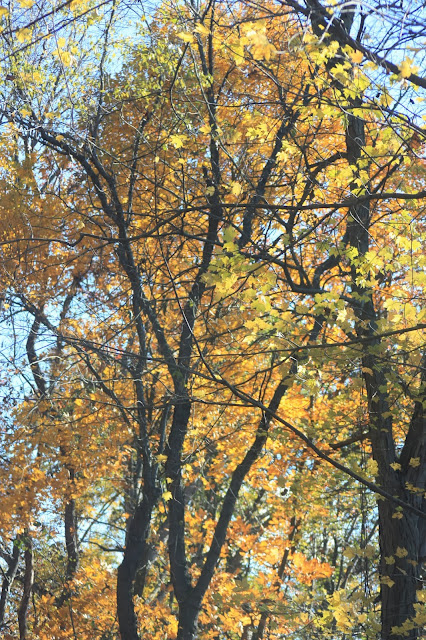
{"points": [[136, 548], [399, 533], [27, 590], [9, 578], [259, 197], [33, 359], [71, 544], [400, 593], [176, 541], [406, 533], [188, 620]]}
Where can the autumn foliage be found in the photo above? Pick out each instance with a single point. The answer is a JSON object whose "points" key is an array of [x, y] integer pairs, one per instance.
{"points": [[212, 284]]}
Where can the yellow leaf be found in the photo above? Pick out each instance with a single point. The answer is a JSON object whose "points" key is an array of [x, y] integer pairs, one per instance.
{"points": [[343, 619], [372, 467], [3, 12], [396, 466], [201, 28], [26, 4], [23, 34], [387, 581], [236, 188], [167, 495], [389, 560], [186, 37], [385, 99], [406, 69], [397, 515], [229, 234], [414, 462], [367, 370], [66, 58], [238, 54], [61, 42], [261, 47], [369, 551], [177, 141], [356, 57], [401, 552], [161, 458]]}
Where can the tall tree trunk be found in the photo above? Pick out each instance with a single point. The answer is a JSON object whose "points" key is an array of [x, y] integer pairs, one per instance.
{"points": [[400, 575], [136, 548], [28, 585], [403, 534], [71, 543], [399, 532]]}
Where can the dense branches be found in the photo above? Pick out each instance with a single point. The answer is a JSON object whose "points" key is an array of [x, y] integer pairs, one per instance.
{"points": [[213, 283]]}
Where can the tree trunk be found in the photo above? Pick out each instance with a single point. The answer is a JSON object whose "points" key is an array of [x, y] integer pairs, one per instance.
{"points": [[9, 577], [188, 619], [399, 571], [403, 534], [136, 544], [399, 531], [28, 585]]}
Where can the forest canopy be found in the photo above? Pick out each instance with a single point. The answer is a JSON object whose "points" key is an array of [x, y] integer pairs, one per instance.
{"points": [[213, 365]]}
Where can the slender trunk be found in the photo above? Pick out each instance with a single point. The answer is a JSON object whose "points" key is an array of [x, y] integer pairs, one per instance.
{"points": [[176, 541], [71, 542], [71, 545], [28, 585], [9, 577]]}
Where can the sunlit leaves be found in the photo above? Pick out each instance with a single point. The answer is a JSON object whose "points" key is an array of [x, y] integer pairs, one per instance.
{"points": [[233, 182]]}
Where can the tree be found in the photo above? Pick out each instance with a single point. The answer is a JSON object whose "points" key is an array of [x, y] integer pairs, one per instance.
{"points": [[212, 268]]}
